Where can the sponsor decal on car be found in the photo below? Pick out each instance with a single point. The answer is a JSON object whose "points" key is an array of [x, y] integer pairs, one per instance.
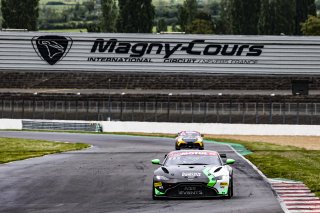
{"points": [[205, 153], [191, 174]]}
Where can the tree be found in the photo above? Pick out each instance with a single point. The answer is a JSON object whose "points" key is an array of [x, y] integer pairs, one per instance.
{"points": [[244, 16], [187, 13], [224, 25], [304, 8], [200, 26], [311, 27], [162, 25], [266, 18], [284, 18], [20, 14], [135, 16], [109, 16]]}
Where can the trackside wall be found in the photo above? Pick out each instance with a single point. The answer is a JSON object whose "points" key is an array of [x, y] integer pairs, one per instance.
{"points": [[211, 128]]}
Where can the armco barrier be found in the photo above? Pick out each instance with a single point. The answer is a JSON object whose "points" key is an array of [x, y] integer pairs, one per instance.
{"points": [[153, 127]]}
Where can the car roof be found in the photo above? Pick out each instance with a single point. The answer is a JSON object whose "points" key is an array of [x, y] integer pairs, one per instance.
{"points": [[189, 132]]}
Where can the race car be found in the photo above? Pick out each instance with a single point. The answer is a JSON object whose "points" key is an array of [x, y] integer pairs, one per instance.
{"points": [[192, 174], [189, 139]]}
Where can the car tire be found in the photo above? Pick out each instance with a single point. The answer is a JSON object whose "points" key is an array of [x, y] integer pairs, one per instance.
{"points": [[201, 148], [177, 147], [230, 189]]}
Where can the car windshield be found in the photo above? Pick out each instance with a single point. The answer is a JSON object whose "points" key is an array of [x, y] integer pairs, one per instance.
{"points": [[190, 134], [193, 158]]}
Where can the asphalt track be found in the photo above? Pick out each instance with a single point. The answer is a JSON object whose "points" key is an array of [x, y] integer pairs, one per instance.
{"points": [[115, 175]]}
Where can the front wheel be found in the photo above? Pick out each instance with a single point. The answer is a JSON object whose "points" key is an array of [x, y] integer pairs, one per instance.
{"points": [[230, 189], [177, 147], [153, 193]]}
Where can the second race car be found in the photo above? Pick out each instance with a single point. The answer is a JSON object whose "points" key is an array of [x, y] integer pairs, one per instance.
{"points": [[192, 174], [189, 139]]}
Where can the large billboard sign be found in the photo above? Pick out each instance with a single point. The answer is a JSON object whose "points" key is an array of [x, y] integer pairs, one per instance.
{"points": [[32, 51]]}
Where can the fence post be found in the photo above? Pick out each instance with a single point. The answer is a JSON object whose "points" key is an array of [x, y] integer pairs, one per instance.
{"points": [[77, 109], [205, 109], [230, 111], [180, 109], [65, 109], [243, 111], [12, 107], [156, 110], [144, 107], [22, 109], [44, 109], [284, 113], [2, 107], [98, 117], [257, 113], [298, 113], [87, 111], [121, 106], [270, 113], [33, 107], [192, 109], [168, 108]]}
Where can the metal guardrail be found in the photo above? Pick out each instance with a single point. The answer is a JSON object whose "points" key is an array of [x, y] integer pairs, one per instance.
{"points": [[42, 125]]}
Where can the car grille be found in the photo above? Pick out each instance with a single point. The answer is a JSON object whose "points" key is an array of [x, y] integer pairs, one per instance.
{"points": [[191, 190]]}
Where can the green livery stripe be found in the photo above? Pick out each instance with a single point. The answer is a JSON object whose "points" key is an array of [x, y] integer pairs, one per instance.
{"points": [[157, 192], [211, 177]]}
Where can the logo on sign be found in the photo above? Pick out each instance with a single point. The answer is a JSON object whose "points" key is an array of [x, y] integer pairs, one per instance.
{"points": [[52, 48]]}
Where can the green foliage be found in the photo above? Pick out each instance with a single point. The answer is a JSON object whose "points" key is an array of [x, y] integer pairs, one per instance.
{"points": [[200, 26], [187, 13], [284, 20], [224, 24], [12, 149], [311, 27], [244, 16], [109, 16], [19, 14], [162, 25], [304, 8], [135, 16], [266, 20]]}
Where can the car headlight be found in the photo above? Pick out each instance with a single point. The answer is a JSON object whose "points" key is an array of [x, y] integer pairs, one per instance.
{"points": [[221, 177], [200, 140], [180, 140], [160, 178]]}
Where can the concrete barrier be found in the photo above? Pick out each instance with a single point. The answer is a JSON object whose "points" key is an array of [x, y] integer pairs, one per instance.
{"points": [[212, 128], [225, 129], [14, 124]]}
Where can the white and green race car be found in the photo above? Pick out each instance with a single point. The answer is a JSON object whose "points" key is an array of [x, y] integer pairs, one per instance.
{"points": [[193, 174]]}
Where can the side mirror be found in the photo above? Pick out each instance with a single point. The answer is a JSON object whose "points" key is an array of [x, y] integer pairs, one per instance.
{"points": [[202, 135], [230, 161], [155, 161]]}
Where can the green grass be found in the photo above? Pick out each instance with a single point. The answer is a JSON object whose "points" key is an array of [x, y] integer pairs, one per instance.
{"points": [[65, 30], [288, 162], [13, 149]]}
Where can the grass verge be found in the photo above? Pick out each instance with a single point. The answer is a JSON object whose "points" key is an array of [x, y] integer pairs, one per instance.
{"points": [[289, 162], [13, 149]]}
